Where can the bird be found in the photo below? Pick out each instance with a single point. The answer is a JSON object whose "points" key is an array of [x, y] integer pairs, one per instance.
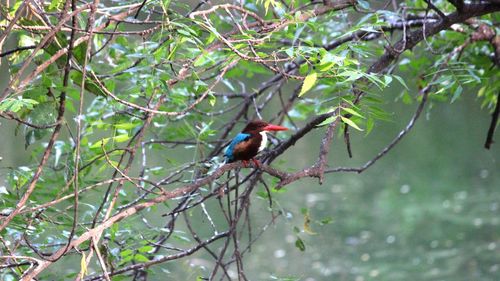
{"points": [[252, 140]]}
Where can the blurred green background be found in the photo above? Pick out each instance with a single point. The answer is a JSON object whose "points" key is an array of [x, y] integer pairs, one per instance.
{"points": [[429, 210]]}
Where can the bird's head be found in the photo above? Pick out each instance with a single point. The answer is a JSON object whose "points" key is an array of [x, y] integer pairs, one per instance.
{"points": [[258, 126]]}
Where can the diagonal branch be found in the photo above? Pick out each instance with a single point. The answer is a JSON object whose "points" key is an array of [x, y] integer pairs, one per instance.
{"points": [[435, 9], [493, 124]]}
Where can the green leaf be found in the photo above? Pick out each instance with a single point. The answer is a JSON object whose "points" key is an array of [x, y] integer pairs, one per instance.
{"points": [[90, 85], [406, 98], [145, 249], [79, 52], [104, 141], [140, 258], [458, 92], [262, 194], [370, 122], [481, 91], [205, 58], [387, 79], [326, 220], [352, 111], [303, 69], [351, 75], [121, 138], [126, 126], [309, 82], [401, 80], [55, 4], [328, 121], [14, 8], [34, 135], [300, 244], [44, 113], [25, 40], [14, 105], [113, 231], [325, 67], [126, 253], [328, 61], [350, 123], [165, 4], [212, 99]]}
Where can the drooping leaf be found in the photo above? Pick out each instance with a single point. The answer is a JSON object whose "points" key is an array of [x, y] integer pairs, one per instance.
{"points": [[351, 75], [83, 265], [309, 82], [370, 122], [401, 80], [457, 93], [328, 121], [307, 224], [350, 123], [352, 111]]}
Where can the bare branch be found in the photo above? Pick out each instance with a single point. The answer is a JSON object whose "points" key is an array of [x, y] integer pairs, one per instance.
{"points": [[493, 124]]}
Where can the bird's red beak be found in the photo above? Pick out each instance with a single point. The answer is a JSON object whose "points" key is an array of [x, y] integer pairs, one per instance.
{"points": [[271, 127]]}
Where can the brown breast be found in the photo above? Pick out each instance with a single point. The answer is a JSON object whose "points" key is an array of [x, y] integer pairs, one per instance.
{"points": [[248, 149]]}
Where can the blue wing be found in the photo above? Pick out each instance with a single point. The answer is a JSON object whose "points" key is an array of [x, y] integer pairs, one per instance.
{"points": [[230, 148]]}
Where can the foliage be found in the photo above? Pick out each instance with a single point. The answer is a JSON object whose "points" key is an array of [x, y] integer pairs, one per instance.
{"points": [[127, 109]]}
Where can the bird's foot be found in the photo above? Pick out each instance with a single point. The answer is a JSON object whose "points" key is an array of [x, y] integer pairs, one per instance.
{"points": [[245, 163], [256, 162]]}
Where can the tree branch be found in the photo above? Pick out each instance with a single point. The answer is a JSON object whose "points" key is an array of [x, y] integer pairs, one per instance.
{"points": [[493, 124]]}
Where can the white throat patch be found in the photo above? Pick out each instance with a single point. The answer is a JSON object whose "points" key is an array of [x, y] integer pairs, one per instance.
{"points": [[263, 143]]}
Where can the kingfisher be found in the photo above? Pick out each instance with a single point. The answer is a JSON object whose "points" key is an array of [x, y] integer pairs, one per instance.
{"points": [[252, 140]]}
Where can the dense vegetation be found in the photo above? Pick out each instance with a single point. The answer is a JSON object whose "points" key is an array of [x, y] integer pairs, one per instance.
{"points": [[127, 106]]}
